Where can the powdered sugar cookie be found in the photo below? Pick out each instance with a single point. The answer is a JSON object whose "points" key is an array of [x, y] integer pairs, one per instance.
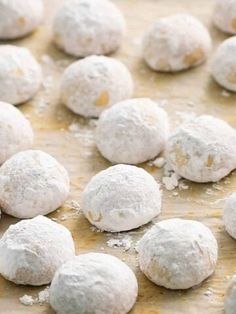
{"points": [[223, 67], [108, 286], [16, 133], [132, 131], [33, 249], [224, 16], [229, 215], [20, 74], [32, 183], [202, 149], [121, 198], [19, 18], [178, 253], [176, 43], [92, 84], [230, 297], [87, 27]]}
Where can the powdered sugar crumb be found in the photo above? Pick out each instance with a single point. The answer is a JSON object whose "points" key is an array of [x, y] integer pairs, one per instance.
{"points": [[158, 162], [26, 300], [208, 292], [43, 297], [121, 242], [183, 186], [171, 182], [74, 127]]}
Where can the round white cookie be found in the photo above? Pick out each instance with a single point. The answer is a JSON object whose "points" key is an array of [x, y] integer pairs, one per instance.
{"points": [[202, 149], [88, 27], [19, 18], [223, 67], [33, 249], [20, 74], [93, 283], [16, 133], [230, 297], [178, 253], [92, 84], [224, 16], [132, 131], [32, 183], [229, 215], [176, 43], [121, 198]]}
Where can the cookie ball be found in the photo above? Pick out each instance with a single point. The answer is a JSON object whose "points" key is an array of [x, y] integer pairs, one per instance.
{"points": [[132, 131], [20, 74], [88, 27], [93, 283], [33, 249], [95, 83], [202, 149], [19, 18], [32, 183], [224, 16], [229, 215], [16, 133], [121, 198], [176, 43], [223, 67], [230, 297], [178, 253]]}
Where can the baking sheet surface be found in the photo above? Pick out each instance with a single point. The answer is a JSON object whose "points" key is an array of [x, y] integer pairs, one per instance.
{"points": [[70, 139]]}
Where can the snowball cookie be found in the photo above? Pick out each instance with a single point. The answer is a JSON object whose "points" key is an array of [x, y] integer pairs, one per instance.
{"points": [[32, 250], [16, 133], [230, 297], [93, 283], [202, 149], [32, 183], [229, 215], [224, 16], [18, 18], [121, 198], [223, 67], [20, 74], [132, 131], [87, 27], [92, 84], [177, 253], [176, 43]]}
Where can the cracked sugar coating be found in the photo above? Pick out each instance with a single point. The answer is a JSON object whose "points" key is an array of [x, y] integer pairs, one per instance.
{"points": [[223, 67], [93, 283], [121, 198], [162, 248], [224, 16], [176, 43], [230, 297], [32, 250], [203, 149], [19, 18], [92, 84], [87, 27], [16, 133], [132, 131], [20, 74], [229, 215], [32, 183]]}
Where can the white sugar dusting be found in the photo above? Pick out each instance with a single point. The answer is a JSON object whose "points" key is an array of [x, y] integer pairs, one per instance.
{"points": [[42, 297], [124, 242]]}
